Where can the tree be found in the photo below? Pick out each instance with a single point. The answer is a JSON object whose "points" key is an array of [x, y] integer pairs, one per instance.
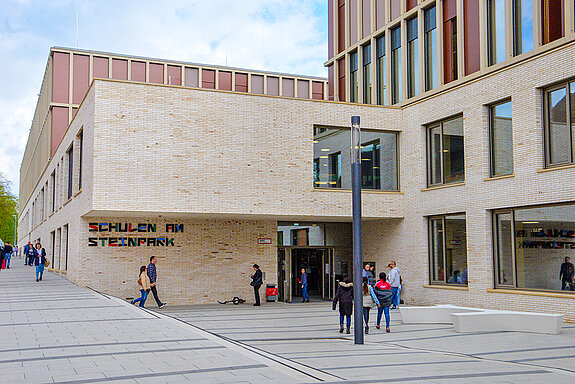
{"points": [[8, 211]]}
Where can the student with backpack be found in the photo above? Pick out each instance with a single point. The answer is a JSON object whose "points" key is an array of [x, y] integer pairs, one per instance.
{"points": [[383, 292]]}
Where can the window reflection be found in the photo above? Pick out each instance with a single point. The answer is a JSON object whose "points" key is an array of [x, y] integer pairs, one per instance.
{"points": [[501, 136], [367, 74], [353, 87], [430, 49], [412, 58], [381, 85], [496, 31], [445, 152], [523, 26], [448, 249], [396, 65]]}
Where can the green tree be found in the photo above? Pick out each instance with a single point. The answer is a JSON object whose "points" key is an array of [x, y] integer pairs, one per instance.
{"points": [[8, 209]]}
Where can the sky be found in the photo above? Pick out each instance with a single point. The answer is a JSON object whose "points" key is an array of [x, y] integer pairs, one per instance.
{"points": [[287, 36]]}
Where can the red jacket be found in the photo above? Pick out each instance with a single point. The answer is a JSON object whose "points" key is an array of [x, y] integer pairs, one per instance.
{"points": [[382, 285]]}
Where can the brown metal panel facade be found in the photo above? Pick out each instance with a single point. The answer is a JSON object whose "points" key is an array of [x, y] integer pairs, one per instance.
{"points": [[553, 22], [257, 84], [471, 26], [59, 126], [225, 80], [60, 76], [138, 71], [341, 80], [81, 80], [395, 9], [330, 24], [208, 78], [410, 4], [317, 90], [288, 87], [449, 40], [365, 17], [101, 67], [241, 82], [449, 9], [273, 86], [192, 77], [379, 13], [331, 82], [174, 75], [340, 26], [353, 14], [156, 73], [303, 89], [119, 69]]}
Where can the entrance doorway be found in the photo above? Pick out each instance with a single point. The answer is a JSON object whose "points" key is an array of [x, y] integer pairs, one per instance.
{"points": [[310, 259]]}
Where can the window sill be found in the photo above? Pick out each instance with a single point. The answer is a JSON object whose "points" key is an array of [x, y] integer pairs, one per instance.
{"points": [[348, 190], [532, 293], [442, 186], [452, 287], [569, 166], [67, 201], [499, 177], [77, 193]]}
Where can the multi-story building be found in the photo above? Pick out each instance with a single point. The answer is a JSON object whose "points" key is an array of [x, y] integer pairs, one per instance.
{"points": [[468, 162]]}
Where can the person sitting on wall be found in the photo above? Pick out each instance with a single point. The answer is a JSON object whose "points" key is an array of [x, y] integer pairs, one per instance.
{"points": [[566, 274]]}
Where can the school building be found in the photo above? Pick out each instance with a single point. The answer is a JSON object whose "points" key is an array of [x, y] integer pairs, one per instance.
{"points": [[468, 160]]}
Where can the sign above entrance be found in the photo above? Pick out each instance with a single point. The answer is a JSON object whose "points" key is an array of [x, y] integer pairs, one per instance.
{"points": [[126, 229], [264, 240]]}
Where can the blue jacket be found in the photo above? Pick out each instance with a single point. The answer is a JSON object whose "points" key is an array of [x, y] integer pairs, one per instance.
{"points": [[303, 278], [152, 273], [39, 256]]}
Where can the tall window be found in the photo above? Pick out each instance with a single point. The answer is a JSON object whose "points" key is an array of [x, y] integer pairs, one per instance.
{"points": [[530, 247], [353, 88], [448, 249], [380, 68], [552, 20], [445, 160], [332, 159], [523, 36], [430, 41], [396, 65], [496, 30], [367, 74], [560, 124], [70, 156], [53, 185], [412, 58], [501, 139], [80, 157]]}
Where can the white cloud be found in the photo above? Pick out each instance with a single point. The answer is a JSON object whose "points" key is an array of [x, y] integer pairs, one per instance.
{"points": [[273, 35]]}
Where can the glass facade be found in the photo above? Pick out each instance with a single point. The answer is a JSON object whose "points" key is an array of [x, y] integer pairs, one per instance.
{"points": [[532, 245], [353, 85], [332, 159], [523, 36], [430, 43], [496, 30], [396, 65], [448, 249], [367, 74], [501, 139], [560, 124], [412, 58], [445, 152], [380, 69]]}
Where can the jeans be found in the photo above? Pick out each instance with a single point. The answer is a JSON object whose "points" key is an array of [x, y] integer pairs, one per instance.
{"points": [[142, 299], [347, 318], [380, 310], [395, 297], [155, 293], [366, 315], [304, 290], [39, 271], [7, 259]]}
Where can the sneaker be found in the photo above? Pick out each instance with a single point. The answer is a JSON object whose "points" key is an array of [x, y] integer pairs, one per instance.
{"points": [[366, 330], [387, 330], [37, 280], [377, 327], [162, 305], [256, 305]]}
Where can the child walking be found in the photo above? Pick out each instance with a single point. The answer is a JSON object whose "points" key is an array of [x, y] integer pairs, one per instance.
{"points": [[370, 300], [144, 283], [344, 296]]}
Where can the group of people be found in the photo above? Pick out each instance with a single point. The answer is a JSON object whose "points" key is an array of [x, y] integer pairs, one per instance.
{"points": [[147, 281], [34, 255], [6, 253], [383, 294]]}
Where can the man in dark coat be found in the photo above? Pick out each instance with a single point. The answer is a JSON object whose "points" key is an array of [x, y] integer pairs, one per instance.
{"points": [[257, 282]]}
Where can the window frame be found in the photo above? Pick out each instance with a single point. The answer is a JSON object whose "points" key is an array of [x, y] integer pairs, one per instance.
{"points": [[428, 128], [546, 125], [491, 112], [442, 217], [70, 171]]}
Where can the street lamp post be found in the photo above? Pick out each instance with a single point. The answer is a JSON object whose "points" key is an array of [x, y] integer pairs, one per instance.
{"points": [[356, 208], [15, 230]]}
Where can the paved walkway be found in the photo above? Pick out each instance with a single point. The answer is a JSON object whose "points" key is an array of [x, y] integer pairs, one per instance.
{"points": [[55, 332]]}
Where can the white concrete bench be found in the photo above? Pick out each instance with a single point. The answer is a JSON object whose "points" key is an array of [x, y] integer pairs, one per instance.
{"points": [[487, 321], [439, 314]]}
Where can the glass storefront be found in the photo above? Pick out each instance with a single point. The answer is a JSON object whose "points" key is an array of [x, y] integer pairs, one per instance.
{"points": [[332, 159], [531, 247]]}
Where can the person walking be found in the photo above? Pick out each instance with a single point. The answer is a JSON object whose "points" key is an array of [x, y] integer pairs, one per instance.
{"points": [[145, 286], [39, 261], [7, 254], [257, 282], [344, 297], [28, 254], [566, 274], [153, 275], [370, 300], [394, 279], [384, 293], [303, 282], [1, 257]]}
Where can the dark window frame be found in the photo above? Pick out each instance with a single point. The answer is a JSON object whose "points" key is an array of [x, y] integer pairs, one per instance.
{"points": [[428, 128], [491, 112], [430, 260], [546, 125]]}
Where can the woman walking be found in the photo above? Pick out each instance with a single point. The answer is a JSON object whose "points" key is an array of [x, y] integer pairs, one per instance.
{"points": [[344, 296], [383, 292], [39, 261], [369, 301], [145, 286]]}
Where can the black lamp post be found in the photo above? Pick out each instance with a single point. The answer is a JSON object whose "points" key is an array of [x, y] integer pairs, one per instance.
{"points": [[356, 207]]}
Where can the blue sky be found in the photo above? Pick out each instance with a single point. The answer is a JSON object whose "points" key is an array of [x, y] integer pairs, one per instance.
{"points": [[275, 35]]}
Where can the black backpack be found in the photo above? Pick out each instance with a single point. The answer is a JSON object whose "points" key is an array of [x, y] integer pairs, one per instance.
{"points": [[383, 295]]}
